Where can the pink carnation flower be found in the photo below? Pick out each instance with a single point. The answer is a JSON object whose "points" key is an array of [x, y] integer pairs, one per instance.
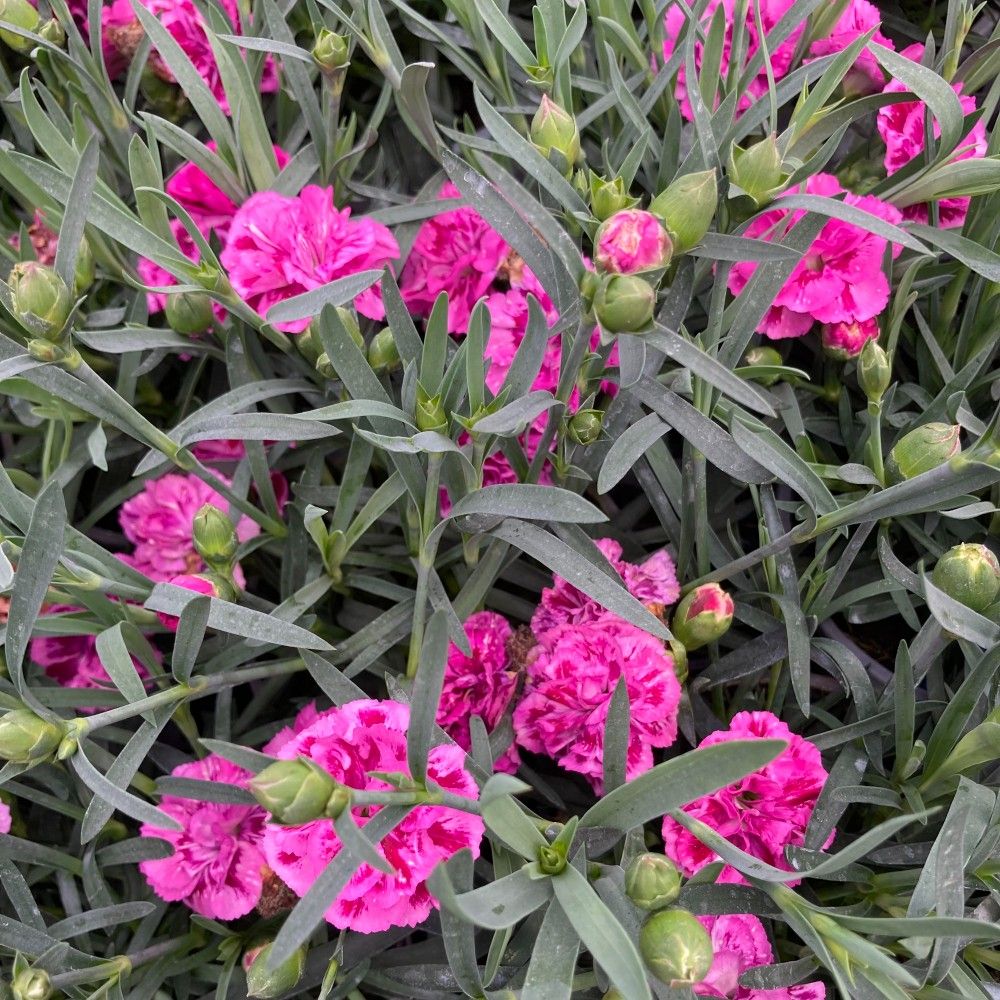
{"points": [[739, 942], [865, 76], [481, 684], [279, 247], [5, 817], [761, 814], [159, 521], [902, 129], [221, 450], [306, 716], [630, 241], [217, 863], [571, 676], [44, 241], [771, 11], [841, 278], [652, 582], [72, 660], [350, 742], [189, 581], [847, 340]]}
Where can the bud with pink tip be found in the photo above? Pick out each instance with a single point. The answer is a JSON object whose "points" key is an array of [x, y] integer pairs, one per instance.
{"points": [[703, 616], [199, 583], [844, 341], [632, 241]]}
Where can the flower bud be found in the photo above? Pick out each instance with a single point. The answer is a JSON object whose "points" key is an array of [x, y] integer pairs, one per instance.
{"points": [[652, 881], [40, 298], [296, 791], [383, 355], [703, 616], [309, 344], [632, 241], [21, 14], [200, 583], [687, 207], [624, 303], [766, 357], [26, 738], [874, 371], [189, 312], [215, 537], [83, 273], [843, 341], [608, 197], [430, 415], [922, 449], [970, 574], [32, 984], [757, 172], [585, 426], [267, 983], [675, 947], [555, 135], [552, 858], [52, 31], [331, 51]]}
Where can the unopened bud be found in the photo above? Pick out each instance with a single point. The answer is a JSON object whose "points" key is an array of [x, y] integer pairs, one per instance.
{"points": [[970, 574], [652, 881], [83, 273], [430, 415], [585, 426], [32, 984], [608, 196], [764, 357], [383, 355], [215, 537], [21, 14], [189, 313], [675, 947], [703, 616], [40, 298], [632, 241], [874, 371], [555, 135], [922, 449], [331, 52], [624, 303], [26, 738], [843, 341], [52, 31], [268, 983], [757, 172], [687, 207], [298, 791], [552, 858]]}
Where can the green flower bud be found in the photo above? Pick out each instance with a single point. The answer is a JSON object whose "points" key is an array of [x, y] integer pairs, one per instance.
{"points": [[331, 52], [652, 881], [309, 344], [757, 172], [383, 355], [608, 197], [624, 303], [430, 414], [552, 858], [83, 273], [675, 947], [680, 657], [52, 31], [350, 320], [40, 298], [266, 983], [585, 426], [25, 738], [687, 207], [215, 537], [295, 791], [189, 312], [32, 984], [325, 367], [970, 574], [21, 14], [874, 371], [764, 357], [555, 135], [703, 616], [922, 449]]}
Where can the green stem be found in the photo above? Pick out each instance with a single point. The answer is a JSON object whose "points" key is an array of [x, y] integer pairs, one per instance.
{"points": [[874, 443], [425, 563]]}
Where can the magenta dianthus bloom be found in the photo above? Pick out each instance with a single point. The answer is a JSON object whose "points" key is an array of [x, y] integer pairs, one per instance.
{"points": [[739, 943], [5, 817], [631, 241], [350, 742], [847, 340], [306, 716], [859, 17], [901, 127], [159, 521], [481, 684], [841, 278], [189, 581], [571, 677], [761, 814], [216, 868], [652, 582], [279, 247]]}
